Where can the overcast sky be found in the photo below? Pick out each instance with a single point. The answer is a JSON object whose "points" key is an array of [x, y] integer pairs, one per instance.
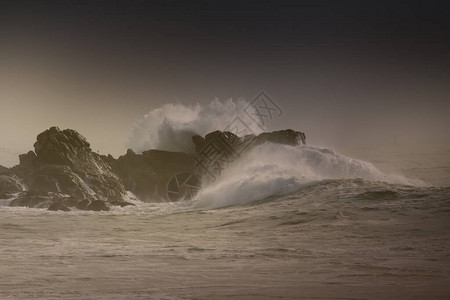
{"points": [[348, 73]]}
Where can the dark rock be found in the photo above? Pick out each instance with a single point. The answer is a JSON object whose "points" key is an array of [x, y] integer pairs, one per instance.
{"points": [[60, 147], [29, 159], [9, 182], [83, 204], [229, 142], [57, 178], [97, 205], [64, 163], [286, 137], [199, 142], [217, 150], [119, 202], [58, 205], [4, 170], [63, 169], [147, 174]]}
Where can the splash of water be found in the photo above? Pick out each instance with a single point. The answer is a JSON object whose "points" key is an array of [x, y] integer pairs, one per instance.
{"points": [[268, 170], [275, 170], [172, 126]]}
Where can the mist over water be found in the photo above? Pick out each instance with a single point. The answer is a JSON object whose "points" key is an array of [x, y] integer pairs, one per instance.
{"points": [[171, 126]]}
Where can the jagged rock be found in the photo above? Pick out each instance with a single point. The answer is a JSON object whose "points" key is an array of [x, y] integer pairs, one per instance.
{"points": [[147, 174], [9, 182], [63, 169], [286, 137], [217, 150], [61, 147], [64, 163], [229, 142], [57, 178], [97, 205]]}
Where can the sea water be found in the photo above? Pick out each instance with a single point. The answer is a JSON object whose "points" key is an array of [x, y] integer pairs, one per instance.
{"points": [[287, 223]]}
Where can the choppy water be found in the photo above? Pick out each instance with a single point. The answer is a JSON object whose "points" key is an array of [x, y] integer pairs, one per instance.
{"points": [[327, 238]]}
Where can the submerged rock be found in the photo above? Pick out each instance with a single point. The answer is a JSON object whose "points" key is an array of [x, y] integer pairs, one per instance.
{"points": [[82, 204], [58, 205], [97, 205], [119, 202]]}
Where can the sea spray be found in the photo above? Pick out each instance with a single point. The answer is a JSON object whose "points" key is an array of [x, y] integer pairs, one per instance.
{"points": [[172, 126], [273, 170]]}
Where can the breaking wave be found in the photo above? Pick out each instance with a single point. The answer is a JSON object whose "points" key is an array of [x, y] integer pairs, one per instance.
{"points": [[274, 170], [268, 170]]}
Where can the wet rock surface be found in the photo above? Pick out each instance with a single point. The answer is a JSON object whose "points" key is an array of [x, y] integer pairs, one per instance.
{"points": [[63, 173], [39, 199], [64, 163], [97, 205], [9, 182], [147, 174], [228, 142]]}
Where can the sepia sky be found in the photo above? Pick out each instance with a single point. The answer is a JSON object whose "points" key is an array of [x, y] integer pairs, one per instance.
{"points": [[348, 73]]}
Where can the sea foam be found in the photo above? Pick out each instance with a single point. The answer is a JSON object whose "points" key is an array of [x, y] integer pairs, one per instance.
{"points": [[275, 170]]}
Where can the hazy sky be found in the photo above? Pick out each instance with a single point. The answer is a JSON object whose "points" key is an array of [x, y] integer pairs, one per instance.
{"points": [[348, 73]]}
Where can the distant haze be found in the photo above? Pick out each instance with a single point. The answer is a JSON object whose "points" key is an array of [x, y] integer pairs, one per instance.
{"points": [[349, 74]]}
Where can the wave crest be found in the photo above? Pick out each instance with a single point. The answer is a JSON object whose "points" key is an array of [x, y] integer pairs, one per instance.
{"points": [[275, 170]]}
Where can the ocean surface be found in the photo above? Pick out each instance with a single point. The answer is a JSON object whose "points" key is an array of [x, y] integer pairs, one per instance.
{"points": [[286, 223]]}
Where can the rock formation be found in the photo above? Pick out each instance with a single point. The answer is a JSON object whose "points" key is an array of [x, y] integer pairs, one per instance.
{"points": [[218, 149], [64, 163], [238, 144], [147, 174], [63, 173], [9, 183]]}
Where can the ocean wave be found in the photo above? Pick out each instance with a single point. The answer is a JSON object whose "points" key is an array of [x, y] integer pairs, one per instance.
{"points": [[276, 170]]}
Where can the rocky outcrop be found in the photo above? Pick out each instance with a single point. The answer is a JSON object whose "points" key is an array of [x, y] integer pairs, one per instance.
{"points": [[63, 173], [219, 149], [147, 174], [64, 163], [228, 141], [9, 183]]}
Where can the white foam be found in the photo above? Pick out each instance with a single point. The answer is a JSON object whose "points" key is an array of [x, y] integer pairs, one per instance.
{"points": [[274, 169], [172, 126]]}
